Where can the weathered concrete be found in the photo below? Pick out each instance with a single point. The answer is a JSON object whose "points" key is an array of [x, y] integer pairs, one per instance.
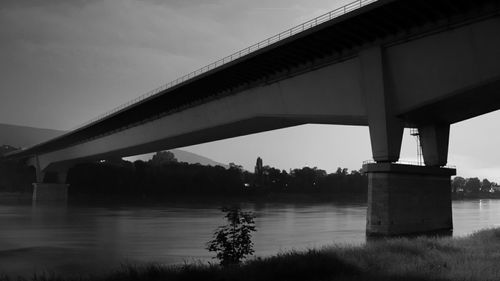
{"points": [[386, 130], [50, 192], [434, 139], [405, 199]]}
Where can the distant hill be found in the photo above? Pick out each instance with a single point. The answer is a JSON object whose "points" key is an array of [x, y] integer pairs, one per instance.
{"points": [[22, 136], [193, 158], [182, 156]]}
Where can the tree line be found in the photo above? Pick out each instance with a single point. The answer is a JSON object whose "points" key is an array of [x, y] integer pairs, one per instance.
{"points": [[473, 186], [15, 176], [164, 176]]}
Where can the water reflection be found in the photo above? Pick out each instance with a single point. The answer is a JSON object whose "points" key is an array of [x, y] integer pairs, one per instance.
{"points": [[472, 215], [70, 239]]}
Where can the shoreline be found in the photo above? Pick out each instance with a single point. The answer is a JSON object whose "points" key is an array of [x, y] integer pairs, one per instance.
{"points": [[25, 198]]}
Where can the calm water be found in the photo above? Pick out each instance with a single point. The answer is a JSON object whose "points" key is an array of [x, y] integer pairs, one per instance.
{"points": [[91, 239]]}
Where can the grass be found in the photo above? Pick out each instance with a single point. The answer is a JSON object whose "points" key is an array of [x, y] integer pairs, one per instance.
{"points": [[475, 257]]}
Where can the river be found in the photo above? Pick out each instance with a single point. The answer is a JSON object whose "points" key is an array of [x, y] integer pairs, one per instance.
{"points": [[76, 239]]}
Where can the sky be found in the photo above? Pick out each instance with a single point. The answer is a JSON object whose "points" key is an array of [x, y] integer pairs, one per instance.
{"points": [[64, 62]]}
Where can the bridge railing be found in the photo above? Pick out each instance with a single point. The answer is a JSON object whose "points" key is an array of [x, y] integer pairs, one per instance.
{"points": [[260, 45]]}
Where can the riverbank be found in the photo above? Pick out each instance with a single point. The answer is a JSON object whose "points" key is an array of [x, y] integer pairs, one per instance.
{"points": [[15, 197], [475, 257]]}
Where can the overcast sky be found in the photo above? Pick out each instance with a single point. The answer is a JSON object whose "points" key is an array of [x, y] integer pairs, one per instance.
{"points": [[63, 62]]}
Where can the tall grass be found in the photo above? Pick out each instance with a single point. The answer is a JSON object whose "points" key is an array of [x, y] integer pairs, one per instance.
{"points": [[476, 257]]}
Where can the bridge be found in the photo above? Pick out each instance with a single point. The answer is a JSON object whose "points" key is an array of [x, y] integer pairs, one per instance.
{"points": [[386, 64]]}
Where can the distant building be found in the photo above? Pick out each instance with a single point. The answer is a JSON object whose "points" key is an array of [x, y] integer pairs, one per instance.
{"points": [[258, 167], [259, 173]]}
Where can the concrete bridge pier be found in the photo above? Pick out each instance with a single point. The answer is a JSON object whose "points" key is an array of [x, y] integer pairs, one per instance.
{"points": [[406, 199], [402, 199], [50, 185], [409, 199], [50, 192]]}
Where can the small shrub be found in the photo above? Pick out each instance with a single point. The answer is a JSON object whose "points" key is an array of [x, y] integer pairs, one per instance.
{"points": [[233, 242]]}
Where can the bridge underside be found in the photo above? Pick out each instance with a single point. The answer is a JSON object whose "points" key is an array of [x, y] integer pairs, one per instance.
{"points": [[464, 104]]}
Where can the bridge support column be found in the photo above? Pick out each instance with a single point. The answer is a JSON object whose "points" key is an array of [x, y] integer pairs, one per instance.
{"points": [[406, 199], [386, 130], [50, 192], [434, 139], [51, 185]]}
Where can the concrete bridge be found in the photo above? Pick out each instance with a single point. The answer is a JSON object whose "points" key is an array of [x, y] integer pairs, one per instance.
{"points": [[385, 64]]}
